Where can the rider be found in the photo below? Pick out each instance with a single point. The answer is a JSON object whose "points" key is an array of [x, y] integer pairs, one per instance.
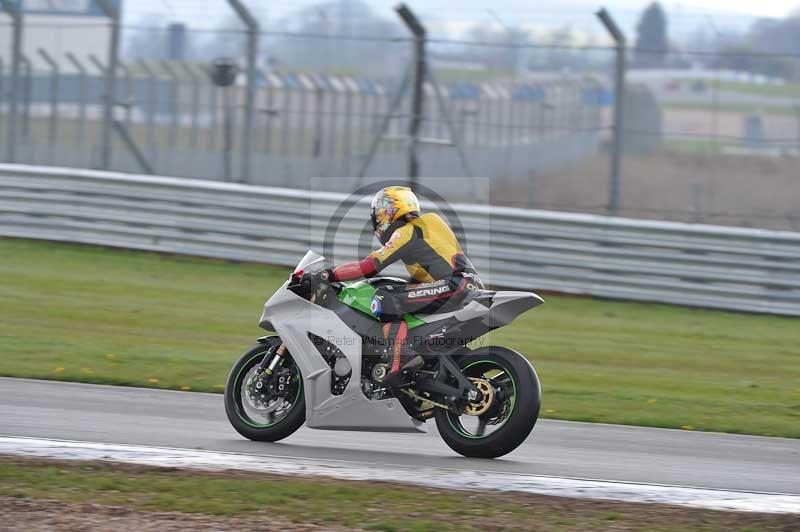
{"points": [[432, 256]]}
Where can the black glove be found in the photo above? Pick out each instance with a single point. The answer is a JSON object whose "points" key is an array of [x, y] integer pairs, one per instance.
{"points": [[315, 279]]}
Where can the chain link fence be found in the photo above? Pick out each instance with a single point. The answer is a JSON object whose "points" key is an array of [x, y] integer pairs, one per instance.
{"points": [[703, 139], [700, 143]]}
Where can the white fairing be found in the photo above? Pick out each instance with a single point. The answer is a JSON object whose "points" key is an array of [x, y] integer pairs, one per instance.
{"points": [[292, 317], [505, 306]]}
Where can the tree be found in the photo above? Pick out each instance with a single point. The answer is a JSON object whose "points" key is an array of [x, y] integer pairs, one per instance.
{"points": [[747, 59], [780, 39], [777, 36], [499, 47], [769, 48], [651, 37]]}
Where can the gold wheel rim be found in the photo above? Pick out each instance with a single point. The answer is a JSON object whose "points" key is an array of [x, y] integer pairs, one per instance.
{"points": [[487, 392]]}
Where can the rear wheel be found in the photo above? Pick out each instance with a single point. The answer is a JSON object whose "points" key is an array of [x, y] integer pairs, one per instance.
{"points": [[510, 407], [265, 413]]}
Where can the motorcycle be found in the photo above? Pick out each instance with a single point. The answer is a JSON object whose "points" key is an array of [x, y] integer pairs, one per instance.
{"points": [[327, 364]]}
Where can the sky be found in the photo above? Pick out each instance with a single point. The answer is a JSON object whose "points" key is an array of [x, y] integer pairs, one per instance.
{"points": [[455, 15]]}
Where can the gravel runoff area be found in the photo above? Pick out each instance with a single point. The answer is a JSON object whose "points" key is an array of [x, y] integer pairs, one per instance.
{"points": [[68, 495], [46, 515]]}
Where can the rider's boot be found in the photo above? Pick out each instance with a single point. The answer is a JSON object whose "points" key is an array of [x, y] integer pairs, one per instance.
{"points": [[402, 358]]}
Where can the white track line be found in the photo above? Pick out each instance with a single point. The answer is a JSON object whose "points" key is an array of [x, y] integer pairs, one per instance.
{"points": [[715, 499]]}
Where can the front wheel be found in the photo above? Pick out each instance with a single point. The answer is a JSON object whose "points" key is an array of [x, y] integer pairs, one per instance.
{"points": [[271, 411], [509, 409]]}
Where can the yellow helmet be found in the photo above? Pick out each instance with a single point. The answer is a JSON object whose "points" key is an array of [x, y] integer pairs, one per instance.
{"points": [[389, 205]]}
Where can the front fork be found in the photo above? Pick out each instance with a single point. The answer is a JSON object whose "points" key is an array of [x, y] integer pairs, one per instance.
{"points": [[272, 358], [270, 362]]}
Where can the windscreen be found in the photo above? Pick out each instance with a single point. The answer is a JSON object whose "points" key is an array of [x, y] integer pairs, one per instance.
{"points": [[311, 262]]}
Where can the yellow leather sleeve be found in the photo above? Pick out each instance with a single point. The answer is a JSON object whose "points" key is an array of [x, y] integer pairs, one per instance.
{"points": [[389, 252]]}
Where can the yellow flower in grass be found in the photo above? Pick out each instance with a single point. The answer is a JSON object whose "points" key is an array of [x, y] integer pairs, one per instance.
{"points": [[111, 356], [549, 411], [58, 370], [687, 427], [186, 388], [652, 401], [153, 381], [87, 371]]}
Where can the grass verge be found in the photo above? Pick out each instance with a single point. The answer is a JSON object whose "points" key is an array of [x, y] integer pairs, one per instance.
{"points": [[787, 90], [704, 146], [765, 108], [334, 503], [91, 314]]}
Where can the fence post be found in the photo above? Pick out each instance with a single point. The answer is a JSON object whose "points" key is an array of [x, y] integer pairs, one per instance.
{"points": [[127, 139], [316, 145], [223, 72], [93, 59], [152, 109], [2, 92], [350, 88], [213, 116], [418, 96], [190, 71], [619, 98], [82, 96], [129, 96], [15, 12], [250, 95], [270, 112], [112, 13], [52, 134], [174, 111], [797, 117], [27, 90]]}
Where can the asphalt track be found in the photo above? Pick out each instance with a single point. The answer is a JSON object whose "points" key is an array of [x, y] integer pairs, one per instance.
{"points": [[108, 414]]}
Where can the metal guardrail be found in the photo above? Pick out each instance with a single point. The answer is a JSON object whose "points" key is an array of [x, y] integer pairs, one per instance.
{"points": [[695, 265]]}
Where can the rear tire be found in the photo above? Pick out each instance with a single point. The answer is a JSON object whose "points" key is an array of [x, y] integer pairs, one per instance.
{"points": [[519, 414], [257, 429]]}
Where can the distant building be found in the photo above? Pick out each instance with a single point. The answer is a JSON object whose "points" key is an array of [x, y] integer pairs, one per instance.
{"points": [[59, 26], [176, 41]]}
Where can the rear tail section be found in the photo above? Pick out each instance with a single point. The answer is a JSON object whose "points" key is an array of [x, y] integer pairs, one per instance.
{"points": [[507, 305]]}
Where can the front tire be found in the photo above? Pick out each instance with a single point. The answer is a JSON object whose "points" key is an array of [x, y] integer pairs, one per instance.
{"points": [[269, 425], [513, 413]]}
